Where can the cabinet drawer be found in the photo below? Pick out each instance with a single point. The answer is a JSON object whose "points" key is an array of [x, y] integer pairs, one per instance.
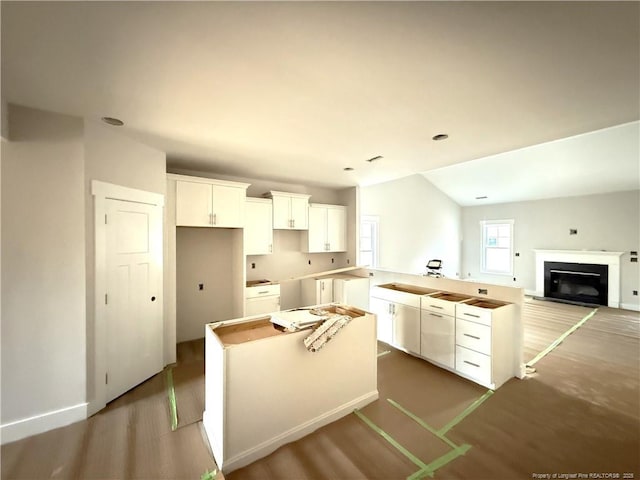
{"points": [[395, 296], [473, 364], [443, 307], [475, 314], [261, 291], [474, 336]]}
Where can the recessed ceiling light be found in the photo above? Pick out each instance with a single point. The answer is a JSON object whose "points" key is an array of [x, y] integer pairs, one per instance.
{"points": [[116, 122], [482, 197], [373, 159], [440, 136], [348, 169]]}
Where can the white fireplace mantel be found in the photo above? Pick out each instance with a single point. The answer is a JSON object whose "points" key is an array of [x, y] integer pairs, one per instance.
{"points": [[598, 257]]}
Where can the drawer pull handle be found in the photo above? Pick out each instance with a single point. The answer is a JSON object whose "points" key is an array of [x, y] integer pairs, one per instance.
{"points": [[471, 363], [472, 336], [472, 315], [263, 292], [436, 306], [435, 315]]}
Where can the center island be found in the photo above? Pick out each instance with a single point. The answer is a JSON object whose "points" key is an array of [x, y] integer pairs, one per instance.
{"points": [[264, 388]]}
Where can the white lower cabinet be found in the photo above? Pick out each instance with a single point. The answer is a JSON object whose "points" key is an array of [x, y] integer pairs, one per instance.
{"points": [[398, 321], [438, 337], [485, 342], [316, 291]]}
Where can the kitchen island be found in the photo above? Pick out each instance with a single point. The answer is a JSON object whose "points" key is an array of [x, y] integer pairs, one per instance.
{"points": [[265, 389]]}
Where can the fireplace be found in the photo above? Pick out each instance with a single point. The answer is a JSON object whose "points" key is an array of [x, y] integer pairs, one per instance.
{"points": [[609, 260], [582, 283]]}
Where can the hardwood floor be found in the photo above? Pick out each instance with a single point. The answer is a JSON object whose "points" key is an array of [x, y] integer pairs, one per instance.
{"points": [[579, 413]]}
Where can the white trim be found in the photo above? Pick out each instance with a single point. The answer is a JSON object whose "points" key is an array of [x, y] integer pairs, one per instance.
{"points": [[101, 192], [118, 192], [210, 181], [265, 448], [611, 259], [630, 306], [13, 431]]}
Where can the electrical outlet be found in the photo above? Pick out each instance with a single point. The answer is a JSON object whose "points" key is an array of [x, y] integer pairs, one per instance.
{"points": [[635, 292], [332, 260], [309, 262], [201, 286], [348, 261], [371, 274], [634, 253], [634, 259], [517, 254], [573, 231], [482, 291], [253, 265], [514, 279]]}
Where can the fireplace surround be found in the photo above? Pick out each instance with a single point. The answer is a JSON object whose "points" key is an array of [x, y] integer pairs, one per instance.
{"points": [[590, 257], [584, 283]]}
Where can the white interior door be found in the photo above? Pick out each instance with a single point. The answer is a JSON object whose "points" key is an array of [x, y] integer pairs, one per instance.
{"points": [[134, 322]]}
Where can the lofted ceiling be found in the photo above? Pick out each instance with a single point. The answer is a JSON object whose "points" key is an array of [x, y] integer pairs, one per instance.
{"points": [[297, 91]]}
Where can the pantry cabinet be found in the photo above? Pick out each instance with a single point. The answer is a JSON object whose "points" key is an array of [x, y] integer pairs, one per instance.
{"points": [[290, 210], [258, 229], [327, 229], [203, 202]]}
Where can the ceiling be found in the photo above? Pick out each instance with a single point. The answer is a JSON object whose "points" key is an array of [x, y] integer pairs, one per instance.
{"points": [[296, 91]]}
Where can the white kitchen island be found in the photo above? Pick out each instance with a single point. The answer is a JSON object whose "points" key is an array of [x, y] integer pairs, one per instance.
{"points": [[265, 389]]}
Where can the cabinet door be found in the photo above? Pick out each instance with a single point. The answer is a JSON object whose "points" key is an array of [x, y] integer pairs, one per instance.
{"points": [[325, 293], [437, 337], [281, 212], [384, 319], [228, 206], [299, 213], [317, 234], [258, 231], [406, 327], [193, 204], [336, 229]]}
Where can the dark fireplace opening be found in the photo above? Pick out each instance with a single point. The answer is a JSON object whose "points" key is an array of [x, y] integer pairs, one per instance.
{"points": [[583, 283]]}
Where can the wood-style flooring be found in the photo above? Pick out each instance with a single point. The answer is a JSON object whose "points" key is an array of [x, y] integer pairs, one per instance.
{"points": [[577, 414]]}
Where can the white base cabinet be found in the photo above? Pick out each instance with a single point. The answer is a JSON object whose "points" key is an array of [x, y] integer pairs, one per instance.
{"points": [[473, 337], [317, 291], [264, 389]]}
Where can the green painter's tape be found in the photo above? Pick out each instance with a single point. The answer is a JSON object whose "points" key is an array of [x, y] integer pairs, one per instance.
{"points": [[209, 475], [384, 353], [439, 463], [466, 412], [560, 339], [422, 423], [172, 400], [391, 440]]}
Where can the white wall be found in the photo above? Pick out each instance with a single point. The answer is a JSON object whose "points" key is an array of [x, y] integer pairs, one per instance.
{"points": [[203, 255], [43, 266], [604, 222], [114, 158], [417, 223]]}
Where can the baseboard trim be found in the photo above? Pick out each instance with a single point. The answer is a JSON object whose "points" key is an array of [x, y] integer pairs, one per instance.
{"points": [[265, 448], [13, 431], [630, 306]]}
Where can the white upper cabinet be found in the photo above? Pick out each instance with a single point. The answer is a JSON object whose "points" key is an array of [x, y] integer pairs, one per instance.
{"points": [[204, 202], [327, 229], [258, 230], [290, 210]]}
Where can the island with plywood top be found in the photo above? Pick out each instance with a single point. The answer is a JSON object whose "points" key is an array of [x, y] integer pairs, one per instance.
{"points": [[265, 388]]}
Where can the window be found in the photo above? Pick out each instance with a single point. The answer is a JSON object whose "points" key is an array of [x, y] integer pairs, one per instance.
{"points": [[369, 241], [497, 246]]}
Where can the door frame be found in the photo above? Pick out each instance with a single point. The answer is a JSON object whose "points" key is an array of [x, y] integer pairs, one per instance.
{"points": [[101, 192]]}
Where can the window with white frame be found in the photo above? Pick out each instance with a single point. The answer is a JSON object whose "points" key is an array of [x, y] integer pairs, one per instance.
{"points": [[369, 241], [497, 247]]}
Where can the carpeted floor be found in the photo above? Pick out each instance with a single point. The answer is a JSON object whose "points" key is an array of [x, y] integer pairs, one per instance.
{"points": [[579, 413]]}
